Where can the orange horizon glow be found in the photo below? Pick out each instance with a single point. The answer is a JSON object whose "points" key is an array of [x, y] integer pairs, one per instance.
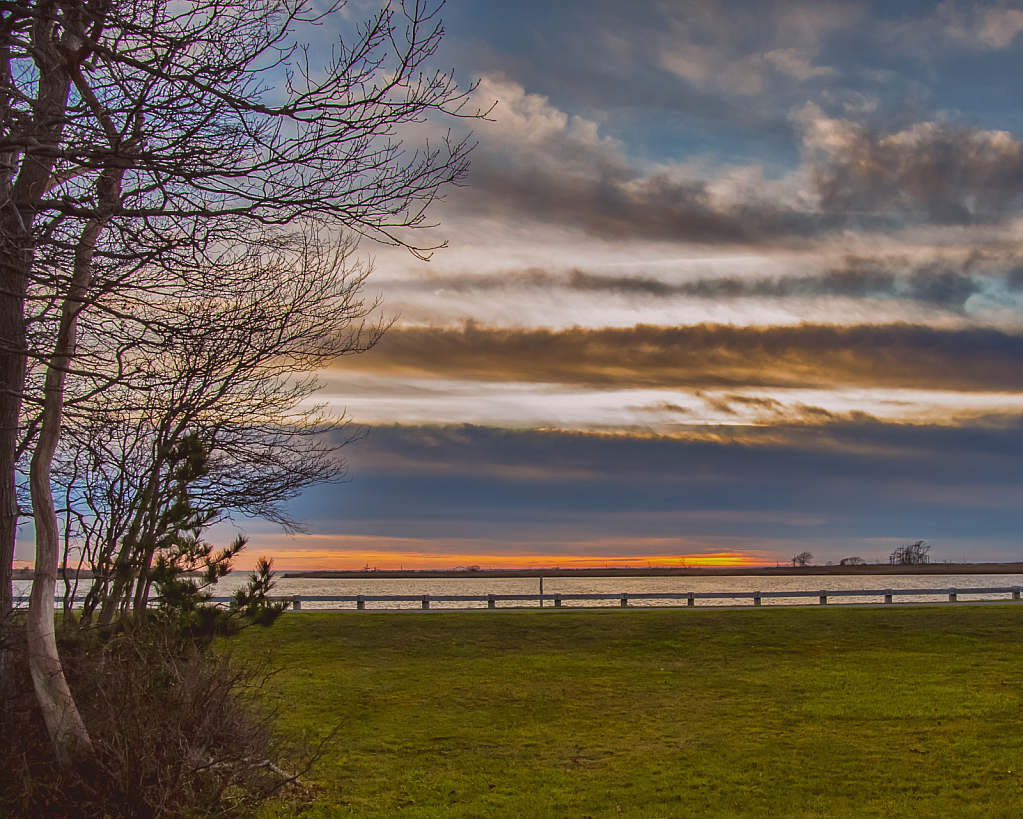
{"points": [[322, 559], [330, 560]]}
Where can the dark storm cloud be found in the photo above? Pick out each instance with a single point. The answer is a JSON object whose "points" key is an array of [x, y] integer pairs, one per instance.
{"points": [[947, 175], [710, 356], [846, 448], [857, 480]]}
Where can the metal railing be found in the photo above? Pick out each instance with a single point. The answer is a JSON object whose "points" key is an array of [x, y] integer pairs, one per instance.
{"points": [[684, 599], [690, 598]]}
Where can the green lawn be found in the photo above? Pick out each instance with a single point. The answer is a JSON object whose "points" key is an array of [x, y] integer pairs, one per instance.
{"points": [[815, 712]]}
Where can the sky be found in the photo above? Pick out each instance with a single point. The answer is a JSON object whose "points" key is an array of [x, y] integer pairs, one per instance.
{"points": [[727, 281]]}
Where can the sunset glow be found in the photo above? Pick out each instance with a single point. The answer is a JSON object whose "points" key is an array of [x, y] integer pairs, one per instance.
{"points": [[368, 560]]}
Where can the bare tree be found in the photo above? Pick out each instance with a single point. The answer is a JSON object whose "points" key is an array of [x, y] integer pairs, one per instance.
{"points": [[147, 147], [852, 561], [229, 391], [912, 554], [802, 559]]}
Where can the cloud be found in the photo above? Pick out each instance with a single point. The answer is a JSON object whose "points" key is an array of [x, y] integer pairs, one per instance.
{"points": [[979, 26], [951, 29], [481, 490], [615, 202], [944, 174], [860, 278], [535, 163], [710, 356], [796, 64], [736, 50], [940, 282], [862, 479]]}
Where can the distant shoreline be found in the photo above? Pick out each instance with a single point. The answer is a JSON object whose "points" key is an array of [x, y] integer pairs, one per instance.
{"points": [[649, 571], [672, 571]]}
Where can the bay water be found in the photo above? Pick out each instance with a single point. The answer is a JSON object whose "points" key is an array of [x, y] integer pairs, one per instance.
{"points": [[481, 586]]}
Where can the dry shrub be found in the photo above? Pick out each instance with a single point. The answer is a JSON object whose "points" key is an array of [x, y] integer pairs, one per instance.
{"points": [[177, 731]]}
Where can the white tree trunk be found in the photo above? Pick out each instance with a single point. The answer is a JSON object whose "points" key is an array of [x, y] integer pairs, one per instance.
{"points": [[67, 731]]}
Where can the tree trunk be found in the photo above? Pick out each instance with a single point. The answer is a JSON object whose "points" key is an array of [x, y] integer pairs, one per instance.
{"points": [[25, 177], [12, 383], [67, 731]]}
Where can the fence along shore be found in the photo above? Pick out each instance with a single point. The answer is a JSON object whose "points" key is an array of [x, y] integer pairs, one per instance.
{"points": [[625, 600]]}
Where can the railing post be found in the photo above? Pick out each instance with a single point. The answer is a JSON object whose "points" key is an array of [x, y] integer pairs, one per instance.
{"points": [[823, 599], [296, 602], [541, 592], [691, 600], [952, 596], [625, 601], [756, 598], [888, 595], [360, 603], [1015, 592], [426, 601], [557, 601], [491, 602]]}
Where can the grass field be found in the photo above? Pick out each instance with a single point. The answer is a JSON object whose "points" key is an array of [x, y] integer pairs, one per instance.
{"points": [[815, 712]]}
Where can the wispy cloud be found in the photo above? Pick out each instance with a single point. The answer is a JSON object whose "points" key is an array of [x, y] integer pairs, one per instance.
{"points": [[939, 282], [962, 26]]}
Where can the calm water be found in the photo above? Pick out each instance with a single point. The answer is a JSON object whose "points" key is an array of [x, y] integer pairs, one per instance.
{"points": [[627, 585]]}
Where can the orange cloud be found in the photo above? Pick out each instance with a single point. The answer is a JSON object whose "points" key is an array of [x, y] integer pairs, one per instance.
{"points": [[353, 552], [709, 356]]}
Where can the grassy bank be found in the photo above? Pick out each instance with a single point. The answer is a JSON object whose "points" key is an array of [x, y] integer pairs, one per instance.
{"points": [[886, 712]]}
